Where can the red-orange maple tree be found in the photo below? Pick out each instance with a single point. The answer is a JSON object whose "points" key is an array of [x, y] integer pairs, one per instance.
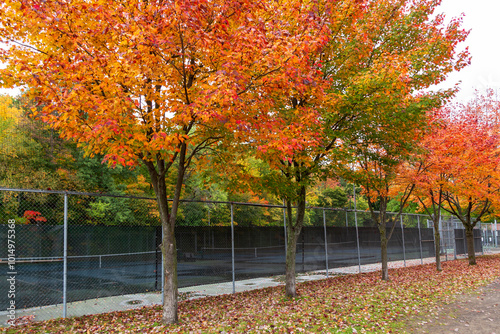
{"points": [[155, 82], [466, 150], [428, 172]]}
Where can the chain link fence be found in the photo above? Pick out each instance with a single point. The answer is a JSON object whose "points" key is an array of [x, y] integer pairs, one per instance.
{"points": [[491, 235], [68, 248], [454, 242]]}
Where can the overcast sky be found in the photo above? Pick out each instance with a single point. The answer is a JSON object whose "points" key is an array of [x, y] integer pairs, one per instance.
{"points": [[481, 16]]}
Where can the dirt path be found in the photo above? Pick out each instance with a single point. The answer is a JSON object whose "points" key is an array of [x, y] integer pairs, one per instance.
{"points": [[474, 313]]}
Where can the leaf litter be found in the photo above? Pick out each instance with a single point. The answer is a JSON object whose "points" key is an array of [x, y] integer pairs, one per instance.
{"points": [[358, 303]]}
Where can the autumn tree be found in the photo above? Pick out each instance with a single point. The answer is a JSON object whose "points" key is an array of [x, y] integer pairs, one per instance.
{"points": [[376, 165], [429, 173], [31, 155], [455, 168], [9, 116], [378, 55], [34, 156], [468, 154], [152, 82]]}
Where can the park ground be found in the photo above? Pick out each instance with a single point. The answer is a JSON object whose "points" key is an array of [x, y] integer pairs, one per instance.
{"points": [[417, 299], [477, 312]]}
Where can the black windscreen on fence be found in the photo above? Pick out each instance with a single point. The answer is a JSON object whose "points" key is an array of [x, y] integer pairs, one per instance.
{"points": [[38, 265], [113, 244], [427, 239], [342, 246], [259, 251], [203, 255], [115, 260], [461, 242], [111, 260]]}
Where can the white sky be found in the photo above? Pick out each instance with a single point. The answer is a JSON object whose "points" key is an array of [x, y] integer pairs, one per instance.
{"points": [[481, 16]]}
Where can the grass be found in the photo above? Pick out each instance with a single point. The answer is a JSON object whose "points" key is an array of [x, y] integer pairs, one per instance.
{"points": [[359, 303]]}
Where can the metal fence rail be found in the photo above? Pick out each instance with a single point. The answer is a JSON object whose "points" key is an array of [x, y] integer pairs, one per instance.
{"points": [[76, 247]]}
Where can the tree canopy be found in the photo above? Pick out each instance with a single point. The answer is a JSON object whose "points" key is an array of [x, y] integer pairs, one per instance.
{"points": [[302, 85]]}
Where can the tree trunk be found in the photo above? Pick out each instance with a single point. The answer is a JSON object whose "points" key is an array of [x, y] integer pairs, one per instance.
{"points": [[168, 219], [290, 289], [168, 249], [469, 234], [293, 233], [383, 251], [437, 244], [170, 284]]}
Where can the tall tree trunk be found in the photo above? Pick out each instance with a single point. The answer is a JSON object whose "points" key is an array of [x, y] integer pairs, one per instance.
{"points": [[170, 284], [168, 249], [291, 243], [168, 219], [381, 220], [469, 234], [383, 251], [293, 233], [437, 243]]}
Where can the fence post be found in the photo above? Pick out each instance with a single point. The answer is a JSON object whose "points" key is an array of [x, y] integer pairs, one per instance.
{"points": [[284, 225], [454, 227], [466, 251], [482, 246], [420, 240], [495, 235], [403, 236], [232, 248], [357, 240], [356, 223], [65, 257], [326, 243], [163, 269], [434, 237], [445, 245]]}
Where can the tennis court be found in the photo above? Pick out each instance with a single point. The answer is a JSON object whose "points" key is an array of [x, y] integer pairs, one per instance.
{"points": [[39, 281], [124, 258]]}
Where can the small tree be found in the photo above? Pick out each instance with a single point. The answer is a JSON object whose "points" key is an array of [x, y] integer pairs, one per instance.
{"points": [[426, 171], [469, 155], [376, 170]]}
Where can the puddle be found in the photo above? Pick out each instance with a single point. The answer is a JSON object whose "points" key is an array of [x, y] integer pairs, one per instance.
{"points": [[134, 302]]}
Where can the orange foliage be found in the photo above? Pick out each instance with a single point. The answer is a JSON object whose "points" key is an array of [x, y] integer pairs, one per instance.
{"points": [[124, 81], [460, 157]]}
